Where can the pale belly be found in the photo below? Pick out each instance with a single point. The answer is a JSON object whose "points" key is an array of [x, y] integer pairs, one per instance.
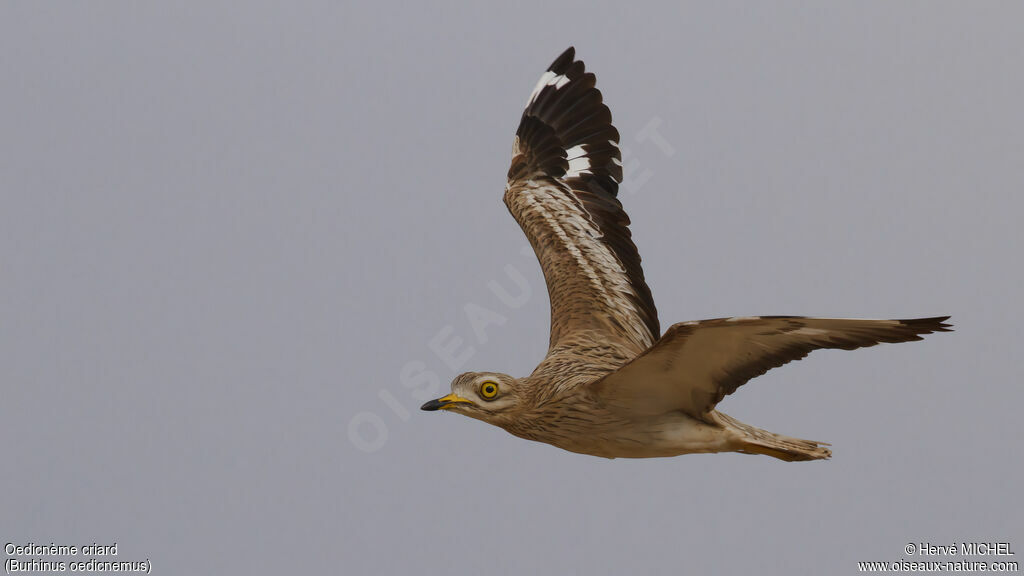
{"points": [[661, 436]]}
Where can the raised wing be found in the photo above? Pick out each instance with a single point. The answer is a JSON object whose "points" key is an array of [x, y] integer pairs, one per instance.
{"points": [[562, 187], [696, 364]]}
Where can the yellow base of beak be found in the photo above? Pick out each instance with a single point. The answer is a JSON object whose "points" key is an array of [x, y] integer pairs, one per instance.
{"points": [[445, 403]]}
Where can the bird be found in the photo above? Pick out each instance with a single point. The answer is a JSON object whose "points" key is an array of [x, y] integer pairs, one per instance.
{"points": [[611, 384]]}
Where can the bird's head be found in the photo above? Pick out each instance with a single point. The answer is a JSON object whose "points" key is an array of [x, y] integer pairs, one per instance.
{"points": [[486, 396]]}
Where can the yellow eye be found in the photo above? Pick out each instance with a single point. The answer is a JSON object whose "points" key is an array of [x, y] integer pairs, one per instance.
{"points": [[489, 390]]}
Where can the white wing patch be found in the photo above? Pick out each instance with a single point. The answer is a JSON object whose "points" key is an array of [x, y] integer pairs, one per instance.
{"points": [[578, 161], [548, 78], [575, 152], [578, 166]]}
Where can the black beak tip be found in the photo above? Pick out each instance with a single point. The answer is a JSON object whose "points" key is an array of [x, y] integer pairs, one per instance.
{"points": [[432, 405]]}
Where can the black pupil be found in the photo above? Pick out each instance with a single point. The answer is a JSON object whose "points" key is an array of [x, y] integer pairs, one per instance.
{"points": [[489, 389]]}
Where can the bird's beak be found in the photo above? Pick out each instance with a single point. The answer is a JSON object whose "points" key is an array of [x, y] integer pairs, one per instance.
{"points": [[444, 403]]}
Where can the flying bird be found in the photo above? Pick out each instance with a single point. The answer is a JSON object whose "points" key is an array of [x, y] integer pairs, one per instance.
{"points": [[612, 384]]}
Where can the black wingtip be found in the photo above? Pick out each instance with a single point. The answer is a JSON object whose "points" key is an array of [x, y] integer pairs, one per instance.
{"points": [[566, 112], [928, 325], [563, 61]]}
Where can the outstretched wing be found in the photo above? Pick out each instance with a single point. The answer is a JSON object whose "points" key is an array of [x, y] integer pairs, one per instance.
{"points": [[562, 187], [696, 364]]}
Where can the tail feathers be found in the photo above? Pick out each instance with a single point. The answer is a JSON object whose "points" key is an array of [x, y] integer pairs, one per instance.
{"points": [[788, 449], [753, 440]]}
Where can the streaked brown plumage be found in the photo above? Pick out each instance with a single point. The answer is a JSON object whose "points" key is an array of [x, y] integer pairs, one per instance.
{"points": [[609, 386]]}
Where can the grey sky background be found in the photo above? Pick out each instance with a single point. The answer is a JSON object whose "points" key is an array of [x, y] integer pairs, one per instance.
{"points": [[227, 229]]}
